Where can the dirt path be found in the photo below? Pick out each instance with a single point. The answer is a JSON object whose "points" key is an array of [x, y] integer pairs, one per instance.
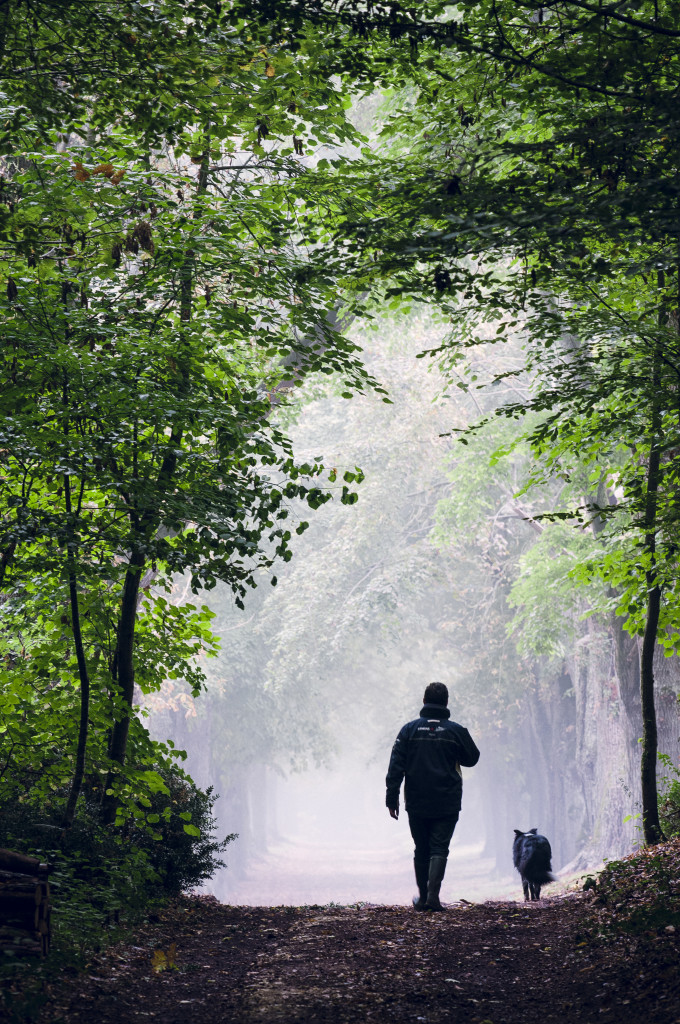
{"points": [[489, 963], [312, 872]]}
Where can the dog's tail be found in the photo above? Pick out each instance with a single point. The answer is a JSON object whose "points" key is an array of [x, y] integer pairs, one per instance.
{"points": [[540, 875]]}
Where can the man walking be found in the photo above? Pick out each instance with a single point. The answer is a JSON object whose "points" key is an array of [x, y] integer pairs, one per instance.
{"points": [[429, 752]]}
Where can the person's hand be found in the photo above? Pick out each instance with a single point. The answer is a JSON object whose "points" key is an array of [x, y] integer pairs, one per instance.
{"points": [[394, 812]]}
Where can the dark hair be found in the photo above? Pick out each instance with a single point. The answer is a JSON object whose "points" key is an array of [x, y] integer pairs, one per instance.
{"points": [[436, 693]]}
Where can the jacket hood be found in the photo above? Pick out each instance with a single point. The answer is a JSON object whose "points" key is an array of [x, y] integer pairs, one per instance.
{"points": [[434, 711]]}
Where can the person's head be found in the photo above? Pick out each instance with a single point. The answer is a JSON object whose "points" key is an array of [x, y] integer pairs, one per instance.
{"points": [[436, 693]]}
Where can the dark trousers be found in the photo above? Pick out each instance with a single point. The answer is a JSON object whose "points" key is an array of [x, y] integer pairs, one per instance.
{"points": [[431, 836]]}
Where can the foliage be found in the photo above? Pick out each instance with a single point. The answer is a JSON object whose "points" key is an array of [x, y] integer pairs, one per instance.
{"points": [[642, 891], [39, 700], [548, 604], [409, 586], [166, 67], [177, 256], [120, 866], [105, 880], [510, 219], [158, 301], [669, 809], [304, 659], [538, 192]]}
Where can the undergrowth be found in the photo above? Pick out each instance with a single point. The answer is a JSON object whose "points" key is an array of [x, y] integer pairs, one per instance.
{"points": [[641, 893], [104, 880]]}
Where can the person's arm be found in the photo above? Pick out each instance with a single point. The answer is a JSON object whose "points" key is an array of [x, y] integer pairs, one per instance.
{"points": [[468, 752], [395, 773]]}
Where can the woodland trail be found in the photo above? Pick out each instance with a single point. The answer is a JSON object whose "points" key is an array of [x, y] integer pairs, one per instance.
{"points": [[488, 963], [310, 872]]}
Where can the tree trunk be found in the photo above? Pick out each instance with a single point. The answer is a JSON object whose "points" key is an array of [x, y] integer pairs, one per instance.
{"points": [[124, 676], [650, 810], [84, 723], [84, 678], [627, 665], [602, 757]]}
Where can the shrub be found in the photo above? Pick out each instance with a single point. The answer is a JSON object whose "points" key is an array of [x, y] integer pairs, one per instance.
{"points": [[669, 809], [102, 873], [187, 854]]}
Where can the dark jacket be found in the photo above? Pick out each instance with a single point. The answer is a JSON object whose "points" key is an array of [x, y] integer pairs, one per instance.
{"points": [[429, 752]]}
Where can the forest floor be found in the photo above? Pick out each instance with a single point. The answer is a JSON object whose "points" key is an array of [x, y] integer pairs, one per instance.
{"points": [[495, 962]]}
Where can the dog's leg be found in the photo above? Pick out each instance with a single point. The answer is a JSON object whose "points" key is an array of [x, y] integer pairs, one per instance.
{"points": [[525, 886]]}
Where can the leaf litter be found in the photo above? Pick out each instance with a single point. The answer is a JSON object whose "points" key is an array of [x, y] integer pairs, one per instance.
{"points": [[609, 953]]}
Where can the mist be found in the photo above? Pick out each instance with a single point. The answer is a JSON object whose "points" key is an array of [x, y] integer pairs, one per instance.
{"points": [[420, 580]]}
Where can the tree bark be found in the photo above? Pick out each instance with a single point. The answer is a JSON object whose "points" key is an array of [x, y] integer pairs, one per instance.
{"points": [[650, 811], [651, 826], [125, 673], [84, 722], [83, 674]]}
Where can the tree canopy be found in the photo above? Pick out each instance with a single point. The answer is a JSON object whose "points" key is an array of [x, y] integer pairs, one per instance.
{"points": [[189, 221]]}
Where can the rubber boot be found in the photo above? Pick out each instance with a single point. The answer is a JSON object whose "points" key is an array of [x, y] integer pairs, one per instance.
{"points": [[434, 882], [421, 869]]}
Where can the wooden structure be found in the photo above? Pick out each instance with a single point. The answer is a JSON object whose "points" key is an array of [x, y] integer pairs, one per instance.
{"points": [[24, 905]]}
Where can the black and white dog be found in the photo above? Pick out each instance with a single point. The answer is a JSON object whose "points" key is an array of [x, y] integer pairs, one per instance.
{"points": [[531, 855]]}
